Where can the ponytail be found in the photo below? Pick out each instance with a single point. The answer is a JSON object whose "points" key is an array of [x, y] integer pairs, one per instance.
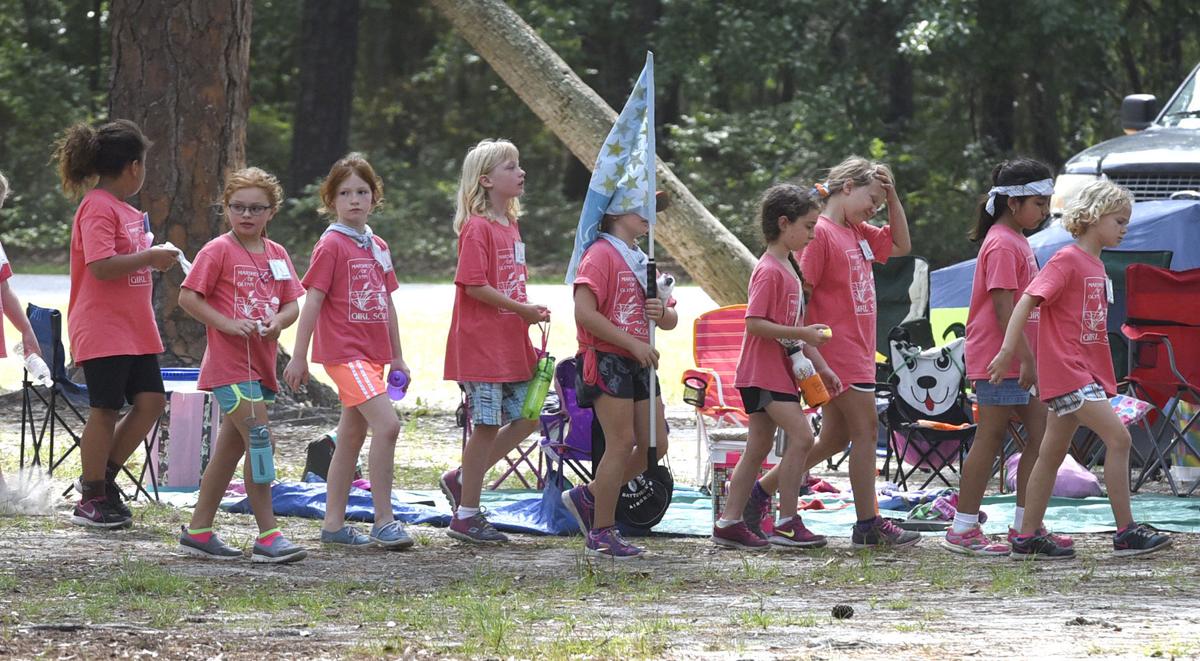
{"points": [[84, 153], [1009, 173]]}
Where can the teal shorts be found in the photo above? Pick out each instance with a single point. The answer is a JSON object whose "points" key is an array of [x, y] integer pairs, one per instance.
{"points": [[231, 396]]}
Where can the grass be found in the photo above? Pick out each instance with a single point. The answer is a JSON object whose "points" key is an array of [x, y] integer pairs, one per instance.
{"points": [[1013, 578]]}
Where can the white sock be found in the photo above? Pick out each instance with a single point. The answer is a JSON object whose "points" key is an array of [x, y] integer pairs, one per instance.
{"points": [[780, 522], [1018, 516], [725, 523], [964, 522], [465, 512]]}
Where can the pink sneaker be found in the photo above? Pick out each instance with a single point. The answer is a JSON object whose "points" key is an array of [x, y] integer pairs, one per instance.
{"points": [[1062, 541], [451, 485], [738, 536], [973, 542], [793, 534]]}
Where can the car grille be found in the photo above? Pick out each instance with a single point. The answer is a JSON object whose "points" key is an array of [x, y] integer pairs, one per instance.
{"points": [[1157, 186]]}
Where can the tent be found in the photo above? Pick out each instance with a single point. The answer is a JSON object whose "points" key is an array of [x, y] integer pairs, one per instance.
{"points": [[1160, 225]]}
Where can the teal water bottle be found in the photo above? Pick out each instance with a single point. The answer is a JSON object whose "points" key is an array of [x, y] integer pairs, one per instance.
{"points": [[262, 461], [539, 385]]}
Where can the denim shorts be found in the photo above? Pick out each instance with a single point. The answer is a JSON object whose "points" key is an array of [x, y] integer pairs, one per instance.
{"points": [[1073, 401], [231, 396], [1008, 393], [495, 403]]}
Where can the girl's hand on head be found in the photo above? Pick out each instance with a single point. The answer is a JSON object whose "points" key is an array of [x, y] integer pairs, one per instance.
{"points": [[816, 334], [889, 186], [296, 373], [644, 354], [238, 327], [655, 310]]}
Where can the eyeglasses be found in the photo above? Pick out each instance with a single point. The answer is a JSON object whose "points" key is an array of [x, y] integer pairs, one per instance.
{"points": [[255, 210]]}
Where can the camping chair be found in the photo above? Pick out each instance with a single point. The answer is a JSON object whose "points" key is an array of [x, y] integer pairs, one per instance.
{"points": [[520, 459], [928, 420], [61, 401], [716, 347], [567, 428], [1164, 358], [902, 299], [1115, 263]]}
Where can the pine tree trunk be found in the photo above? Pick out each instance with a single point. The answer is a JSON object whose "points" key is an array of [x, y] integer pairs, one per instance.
{"points": [[711, 254], [180, 69]]}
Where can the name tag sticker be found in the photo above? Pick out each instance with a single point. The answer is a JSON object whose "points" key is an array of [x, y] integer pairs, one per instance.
{"points": [[279, 269], [866, 250], [1108, 290], [519, 252]]}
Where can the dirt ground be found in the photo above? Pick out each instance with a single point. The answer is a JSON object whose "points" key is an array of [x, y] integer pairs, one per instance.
{"points": [[66, 592]]}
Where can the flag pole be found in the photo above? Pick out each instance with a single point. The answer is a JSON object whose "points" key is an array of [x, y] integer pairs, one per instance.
{"points": [[652, 292]]}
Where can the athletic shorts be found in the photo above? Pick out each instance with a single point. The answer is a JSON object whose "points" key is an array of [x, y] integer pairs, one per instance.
{"points": [[357, 381], [1073, 401], [619, 376], [114, 381], [231, 396], [755, 400], [1008, 393], [495, 403]]}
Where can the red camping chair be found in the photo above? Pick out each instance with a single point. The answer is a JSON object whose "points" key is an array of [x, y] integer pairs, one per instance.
{"points": [[1163, 327], [716, 347]]}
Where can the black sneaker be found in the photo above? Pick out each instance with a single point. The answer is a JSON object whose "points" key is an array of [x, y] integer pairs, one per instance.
{"points": [[1139, 539], [883, 533], [98, 513], [1039, 547], [112, 493]]}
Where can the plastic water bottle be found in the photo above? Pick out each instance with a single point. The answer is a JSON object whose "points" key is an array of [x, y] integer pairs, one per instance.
{"points": [[397, 385], [811, 385], [539, 385], [262, 461], [39, 371]]}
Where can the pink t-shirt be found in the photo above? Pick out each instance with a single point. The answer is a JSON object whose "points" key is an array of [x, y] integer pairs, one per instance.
{"points": [[1073, 342], [353, 324], [843, 293], [775, 296], [619, 297], [487, 343], [110, 317], [5, 274], [239, 285], [1006, 262]]}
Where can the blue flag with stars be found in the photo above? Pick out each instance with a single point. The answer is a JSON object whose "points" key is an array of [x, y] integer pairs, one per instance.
{"points": [[623, 178]]}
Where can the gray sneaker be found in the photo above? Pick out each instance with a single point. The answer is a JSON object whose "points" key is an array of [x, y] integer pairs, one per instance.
{"points": [[213, 549], [475, 530], [347, 536], [391, 535], [278, 551]]}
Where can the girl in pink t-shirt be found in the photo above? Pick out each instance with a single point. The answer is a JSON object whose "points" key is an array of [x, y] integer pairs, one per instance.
{"points": [[350, 318], [765, 375], [1018, 201], [488, 351], [1075, 372], [243, 288], [110, 314]]}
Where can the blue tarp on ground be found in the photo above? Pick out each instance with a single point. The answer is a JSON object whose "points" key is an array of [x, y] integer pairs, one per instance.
{"points": [[1162, 225]]}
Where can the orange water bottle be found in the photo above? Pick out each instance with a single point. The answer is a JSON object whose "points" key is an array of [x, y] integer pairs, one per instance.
{"points": [[811, 385]]}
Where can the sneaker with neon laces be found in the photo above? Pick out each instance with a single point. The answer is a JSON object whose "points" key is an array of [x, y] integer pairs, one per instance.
{"points": [[277, 550], [793, 534], [881, 532], [211, 548], [475, 530], [451, 485], [347, 536], [391, 535], [757, 509], [1059, 540], [1139, 539], [582, 506], [738, 536], [98, 513], [973, 542], [1039, 547], [608, 543]]}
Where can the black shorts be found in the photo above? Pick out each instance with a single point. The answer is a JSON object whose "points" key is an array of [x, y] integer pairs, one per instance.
{"points": [[755, 400], [113, 381], [619, 376]]}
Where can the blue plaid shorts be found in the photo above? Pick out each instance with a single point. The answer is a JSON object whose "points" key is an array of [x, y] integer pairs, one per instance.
{"points": [[495, 403]]}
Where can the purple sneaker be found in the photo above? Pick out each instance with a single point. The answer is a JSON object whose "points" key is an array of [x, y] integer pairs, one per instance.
{"points": [[793, 534], [607, 543], [882, 532], [451, 484], [475, 530], [738, 536], [582, 506], [758, 508]]}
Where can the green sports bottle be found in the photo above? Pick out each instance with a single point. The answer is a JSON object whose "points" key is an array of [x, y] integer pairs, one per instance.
{"points": [[543, 376]]}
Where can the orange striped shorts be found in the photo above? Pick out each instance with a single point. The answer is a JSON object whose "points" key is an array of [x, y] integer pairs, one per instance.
{"points": [[357, 381]]}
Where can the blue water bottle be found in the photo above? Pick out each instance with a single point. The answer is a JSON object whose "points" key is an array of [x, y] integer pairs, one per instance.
{"points": [[262, 461]]}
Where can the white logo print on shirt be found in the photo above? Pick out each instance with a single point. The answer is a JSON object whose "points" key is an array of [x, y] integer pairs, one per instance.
{"points": [[1095, 312], [368, 296], [137, 239], [862, 283], [629, 311], [252, 296], [510, 280]]}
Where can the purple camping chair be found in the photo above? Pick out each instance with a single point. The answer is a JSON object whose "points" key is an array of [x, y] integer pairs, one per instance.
{"points": [[521, 459], [567, 432]]}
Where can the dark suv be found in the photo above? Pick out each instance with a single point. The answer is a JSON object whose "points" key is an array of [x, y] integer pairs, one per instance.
{"points": [[1157, 159]]}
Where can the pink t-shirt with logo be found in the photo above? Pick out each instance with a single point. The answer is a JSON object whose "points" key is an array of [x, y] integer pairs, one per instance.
{"points": [[1073, 339], [775, 296], [109, 317], [843, 293], [353, 324], [619, 297], [5, 274], [487, 343], [1005, 262], [240, 285]]}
